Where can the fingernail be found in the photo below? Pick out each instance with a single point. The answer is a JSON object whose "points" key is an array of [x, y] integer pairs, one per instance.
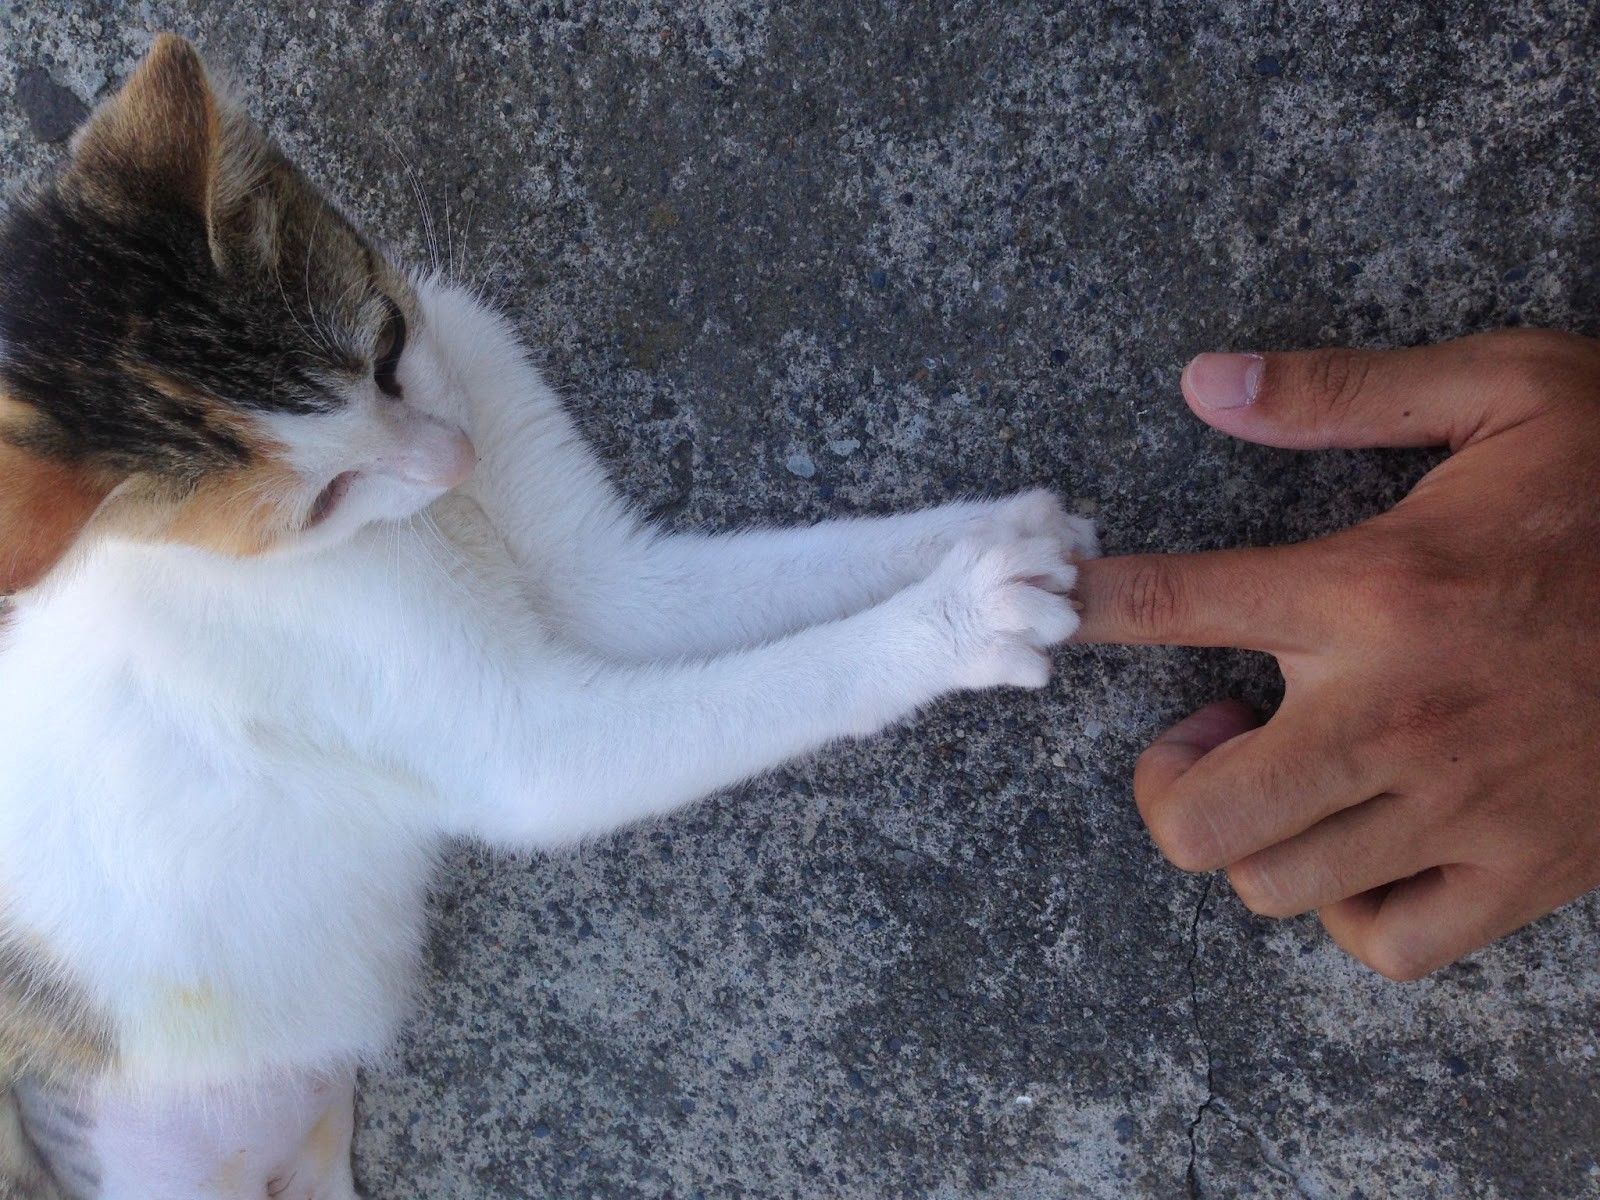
{"points": [[1224, 380]]}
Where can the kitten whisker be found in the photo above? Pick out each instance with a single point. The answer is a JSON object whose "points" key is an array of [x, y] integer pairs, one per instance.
{"points": [[428, 527], [429, 233], [450, 243], [327, 341], [288, 307]]}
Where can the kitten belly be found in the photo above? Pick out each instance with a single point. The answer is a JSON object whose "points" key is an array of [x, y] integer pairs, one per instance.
{"points": [[189, 1002], [286, 1136], [214, 939]]}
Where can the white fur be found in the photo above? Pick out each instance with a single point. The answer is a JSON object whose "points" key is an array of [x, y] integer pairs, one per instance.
{"points": [[223, 782], [287, 1137]]}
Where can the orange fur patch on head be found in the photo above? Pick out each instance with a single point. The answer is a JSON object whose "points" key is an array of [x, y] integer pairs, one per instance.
{"points": [[171, 386], [43, 507], [223, 425], [243, 512], [155, 139]]}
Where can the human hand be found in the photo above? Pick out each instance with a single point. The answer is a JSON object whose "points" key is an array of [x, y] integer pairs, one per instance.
{"points": [[1429, 782]]}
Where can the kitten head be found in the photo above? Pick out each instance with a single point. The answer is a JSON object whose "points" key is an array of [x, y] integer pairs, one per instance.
{"points": [[197, 347]]}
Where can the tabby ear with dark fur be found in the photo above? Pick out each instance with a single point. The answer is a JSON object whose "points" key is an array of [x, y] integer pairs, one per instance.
{"points": [[154, 144]]}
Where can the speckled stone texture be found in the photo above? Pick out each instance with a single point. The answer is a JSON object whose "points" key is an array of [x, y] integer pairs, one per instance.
{"points": [[797, 260]]}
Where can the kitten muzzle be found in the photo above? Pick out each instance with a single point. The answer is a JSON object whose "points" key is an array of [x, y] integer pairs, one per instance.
{"points": [[424, 450]]}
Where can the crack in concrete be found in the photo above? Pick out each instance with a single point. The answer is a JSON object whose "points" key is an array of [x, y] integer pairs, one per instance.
{"points": [[1268, 1152], [1191, 1174]]}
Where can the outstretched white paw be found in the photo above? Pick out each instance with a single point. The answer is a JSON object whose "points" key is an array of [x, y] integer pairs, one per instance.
{"points": [[1039, 513], [996, 608]]}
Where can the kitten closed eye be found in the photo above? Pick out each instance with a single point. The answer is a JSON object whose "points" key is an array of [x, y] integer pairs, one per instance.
{"points": [[391, 345]]}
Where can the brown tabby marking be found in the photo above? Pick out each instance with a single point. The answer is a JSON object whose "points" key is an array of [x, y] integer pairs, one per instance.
{"points": [[48, 1033], [156, 140], [13, 413], [47, 1028], [22, 1175]]}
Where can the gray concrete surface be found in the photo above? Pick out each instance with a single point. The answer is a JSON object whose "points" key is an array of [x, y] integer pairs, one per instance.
{"points": [[796, 260]]}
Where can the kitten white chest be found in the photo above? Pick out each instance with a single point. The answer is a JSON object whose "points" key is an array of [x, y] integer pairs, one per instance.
{"points": [[184, 822]]}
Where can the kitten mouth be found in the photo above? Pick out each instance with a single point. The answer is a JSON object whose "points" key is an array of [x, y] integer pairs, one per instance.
{"points": [[328, 499]]}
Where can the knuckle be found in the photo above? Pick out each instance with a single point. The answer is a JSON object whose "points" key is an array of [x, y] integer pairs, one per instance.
{"points": [[1149, 600], [1538, 362], [1533, 344], [1333, 379], [1435, 725], [1420, 720], [1400, 583], [1260, 889], [1182, 842]]}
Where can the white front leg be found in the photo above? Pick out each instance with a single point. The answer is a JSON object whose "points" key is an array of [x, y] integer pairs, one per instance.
{"points": [[618, 743], [657, 596], [611, 583]]}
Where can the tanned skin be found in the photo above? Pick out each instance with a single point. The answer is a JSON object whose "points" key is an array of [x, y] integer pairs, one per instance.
{"points": [[1429, 783]]}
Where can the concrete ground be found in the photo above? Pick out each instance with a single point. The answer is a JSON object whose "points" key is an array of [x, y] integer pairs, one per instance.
{"points": [[798, 260]]}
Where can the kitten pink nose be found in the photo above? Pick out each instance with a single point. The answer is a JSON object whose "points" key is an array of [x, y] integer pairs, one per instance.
{"points": [[426, 451]]}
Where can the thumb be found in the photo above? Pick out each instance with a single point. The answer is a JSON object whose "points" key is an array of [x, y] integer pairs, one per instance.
{"points": [[1450, 394]]}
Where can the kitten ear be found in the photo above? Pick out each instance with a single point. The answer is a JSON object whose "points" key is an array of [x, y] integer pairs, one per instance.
{"points": [[43, 508], [153, 144], [171, 141]]}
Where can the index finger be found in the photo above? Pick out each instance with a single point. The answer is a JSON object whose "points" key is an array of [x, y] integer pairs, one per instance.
{"points": [[1252, 599]]}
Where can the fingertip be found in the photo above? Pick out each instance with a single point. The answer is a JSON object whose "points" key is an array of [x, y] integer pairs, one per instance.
{"points": [[1346, 921], [1234, 395], [1382, 931], [1186, 387], [1220, 383]]}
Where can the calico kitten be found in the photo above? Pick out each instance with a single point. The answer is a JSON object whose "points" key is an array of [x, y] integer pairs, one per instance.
{"points": [[310, 572]]}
